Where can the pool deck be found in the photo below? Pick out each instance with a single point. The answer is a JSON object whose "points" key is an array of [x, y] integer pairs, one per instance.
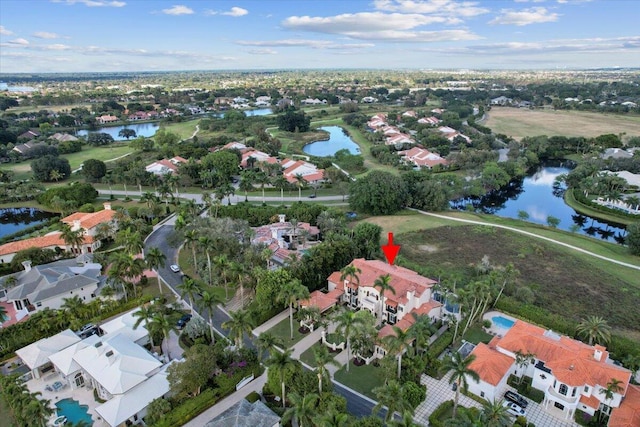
{"points": [[83, 395], [495, 330]]}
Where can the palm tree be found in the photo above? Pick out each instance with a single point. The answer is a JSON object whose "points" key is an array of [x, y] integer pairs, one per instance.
{"points": [[398, 343], [421, 330], [155, 258], [145, 314], [247, 178], [405, 421], [74, 306], [72, 238], [509, 273], [239, 323], [594, 329], [322, 357], [190, 288], [37, 410], [290, 294], [300, 183], [494, 414], [332, 418], [350, 273], [221, 263], [302, 409], [522, 360], [461, 371], [209, 301], [613, 386], [238, 274], [162, 322], [391, 396], [131, 241], [383, 284], [191, 240], [281, 363], [280, 182], [346, 321], [268, 342]]}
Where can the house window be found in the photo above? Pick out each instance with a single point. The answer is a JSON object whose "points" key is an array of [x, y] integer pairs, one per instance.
{"points": [[573, 391], [555, 383], [559, 405], [563, 389], [482, 394], [18, 305], [400, 308], [38, 304], [586, 389]]}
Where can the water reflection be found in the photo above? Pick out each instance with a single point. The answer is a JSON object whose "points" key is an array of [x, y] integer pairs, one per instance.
{"points": [[540, 196], [16, 219]]}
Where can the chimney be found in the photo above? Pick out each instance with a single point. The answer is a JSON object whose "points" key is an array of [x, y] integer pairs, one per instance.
{"points": [[107, 206], [597, 353], [27, 265], [281, 218], [76, 224]]}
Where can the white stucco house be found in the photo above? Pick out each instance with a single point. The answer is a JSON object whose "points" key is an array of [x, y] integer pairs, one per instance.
{"points": [[36, 355]]}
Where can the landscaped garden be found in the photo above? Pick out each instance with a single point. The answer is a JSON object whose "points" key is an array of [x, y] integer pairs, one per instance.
{"points": [[362, 379]]}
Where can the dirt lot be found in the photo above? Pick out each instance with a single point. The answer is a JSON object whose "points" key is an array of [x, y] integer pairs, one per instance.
{"points": [[521, 122], [563, 283]]}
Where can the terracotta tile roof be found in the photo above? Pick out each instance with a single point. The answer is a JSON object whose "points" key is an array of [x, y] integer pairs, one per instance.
{"points": [[628, 414], [591, 401], [321, 300], [90, 220], [571, 362], [48, 241], [490, 364]]}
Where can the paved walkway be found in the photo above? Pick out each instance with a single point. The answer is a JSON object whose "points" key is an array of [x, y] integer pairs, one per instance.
{"points": [[271, 322]]}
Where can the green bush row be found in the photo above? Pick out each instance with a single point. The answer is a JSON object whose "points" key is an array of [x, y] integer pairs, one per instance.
{"points": [[440, 344], [189, 409], [582, 199], [434, 418]]}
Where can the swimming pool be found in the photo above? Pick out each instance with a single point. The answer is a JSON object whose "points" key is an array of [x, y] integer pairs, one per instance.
{"points": [[74, 411], [502, 322]]}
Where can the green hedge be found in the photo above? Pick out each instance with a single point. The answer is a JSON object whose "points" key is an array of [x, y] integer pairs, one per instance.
{"points": [[434, 418], [582, 199], [188, 410]]}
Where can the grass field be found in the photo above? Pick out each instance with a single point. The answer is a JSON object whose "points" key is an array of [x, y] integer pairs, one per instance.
{"points": [[362, 379], [520, 122], [56, 108], [563, 281], [23, 170], [183, 129], [283, 330]]}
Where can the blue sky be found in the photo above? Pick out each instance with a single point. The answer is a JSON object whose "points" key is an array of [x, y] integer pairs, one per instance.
{"points": [[146, 35]]}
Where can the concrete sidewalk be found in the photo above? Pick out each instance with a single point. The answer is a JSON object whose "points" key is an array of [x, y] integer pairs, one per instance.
{"points": [[271, 323], [226, 403]]}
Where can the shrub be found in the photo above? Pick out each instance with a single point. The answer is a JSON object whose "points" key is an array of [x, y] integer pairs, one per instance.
{"points": [[440, 344], [521, 421], [434, 418], [188, 410], [252, 397], [413, 393]]}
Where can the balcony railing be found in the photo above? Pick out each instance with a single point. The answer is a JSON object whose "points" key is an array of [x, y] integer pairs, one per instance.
{"points": [[393, 310], [563, 398]]}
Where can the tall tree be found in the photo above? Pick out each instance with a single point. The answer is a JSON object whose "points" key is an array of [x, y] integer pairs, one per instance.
{"points": [[281, 363], [613, 387], [290, 294], [209, 301], [383, 284], [303, 409], [239, 324], [268, 342], [190, 288], [155, 258], [595, 329], [346, 321], [323, 358], [73, 238], [391, 396], [145, 314], [461, 370], [397, 344], [162, 322], [494, 414]]}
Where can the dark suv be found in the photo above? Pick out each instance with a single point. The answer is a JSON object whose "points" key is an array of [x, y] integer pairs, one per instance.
{"points": [[516, 398], [183, 321]]}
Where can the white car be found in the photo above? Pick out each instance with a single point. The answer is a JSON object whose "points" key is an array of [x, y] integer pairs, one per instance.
{"points": [[514, 409], [175, 268]]}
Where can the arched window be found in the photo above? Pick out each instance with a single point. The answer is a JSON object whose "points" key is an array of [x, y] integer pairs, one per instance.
{"points": [[563, 389]]}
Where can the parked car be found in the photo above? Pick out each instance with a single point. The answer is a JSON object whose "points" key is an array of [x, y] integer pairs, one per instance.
{"points": [[312, 196], [175, 268], [182, 322], [514, 409], [514, 397]]}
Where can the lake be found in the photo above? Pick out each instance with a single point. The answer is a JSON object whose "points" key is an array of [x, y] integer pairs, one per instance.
{"points": [[142, 129], [248, 113], [536, 195], [16, 219], [338, 140]]}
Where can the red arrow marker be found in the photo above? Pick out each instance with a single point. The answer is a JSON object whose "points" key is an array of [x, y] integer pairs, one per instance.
{"points": [[390, 250]]}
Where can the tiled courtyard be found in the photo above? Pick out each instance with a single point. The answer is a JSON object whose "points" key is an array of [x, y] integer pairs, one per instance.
{"points": [[440, 391]]}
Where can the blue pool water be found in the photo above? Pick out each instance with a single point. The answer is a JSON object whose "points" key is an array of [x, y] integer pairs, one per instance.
{"points": [[502, 322], [73, 411]]}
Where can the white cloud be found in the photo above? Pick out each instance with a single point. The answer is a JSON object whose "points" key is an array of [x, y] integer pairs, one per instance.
{"points": [[19, 42], [265, 51], [534, 15], [360, 22], [93, 3], [450, 8], [5, 32], [314, 44], [178, 9], [46, 35], [236, 12]]}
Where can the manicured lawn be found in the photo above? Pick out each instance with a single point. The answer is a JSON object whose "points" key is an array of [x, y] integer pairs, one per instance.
{"points": [[5, 414], [362, 379], [308, 357], [185, 261], [370, 162], [183, 129], [104, 153], [475, 335], [283, 331]]}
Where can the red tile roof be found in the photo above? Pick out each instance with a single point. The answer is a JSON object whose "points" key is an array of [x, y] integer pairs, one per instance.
{"points": [[571, 362], [628, 414], [48, 241], [90, 220], [321, 300], [490, 364]]}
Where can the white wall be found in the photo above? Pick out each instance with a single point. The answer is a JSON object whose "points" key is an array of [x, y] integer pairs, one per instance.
{"points": [[57, 301]]}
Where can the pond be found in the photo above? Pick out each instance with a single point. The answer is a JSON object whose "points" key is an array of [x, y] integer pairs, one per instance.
{"points": [[536, 195], [338, 140], [16, 219], [248, 113], [142, 129]]}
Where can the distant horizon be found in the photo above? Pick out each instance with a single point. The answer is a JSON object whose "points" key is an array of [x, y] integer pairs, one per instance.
{"points": [[76, 36]]}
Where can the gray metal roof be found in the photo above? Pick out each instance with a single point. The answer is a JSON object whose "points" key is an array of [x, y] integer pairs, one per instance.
{"points": [[245, 414]]}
